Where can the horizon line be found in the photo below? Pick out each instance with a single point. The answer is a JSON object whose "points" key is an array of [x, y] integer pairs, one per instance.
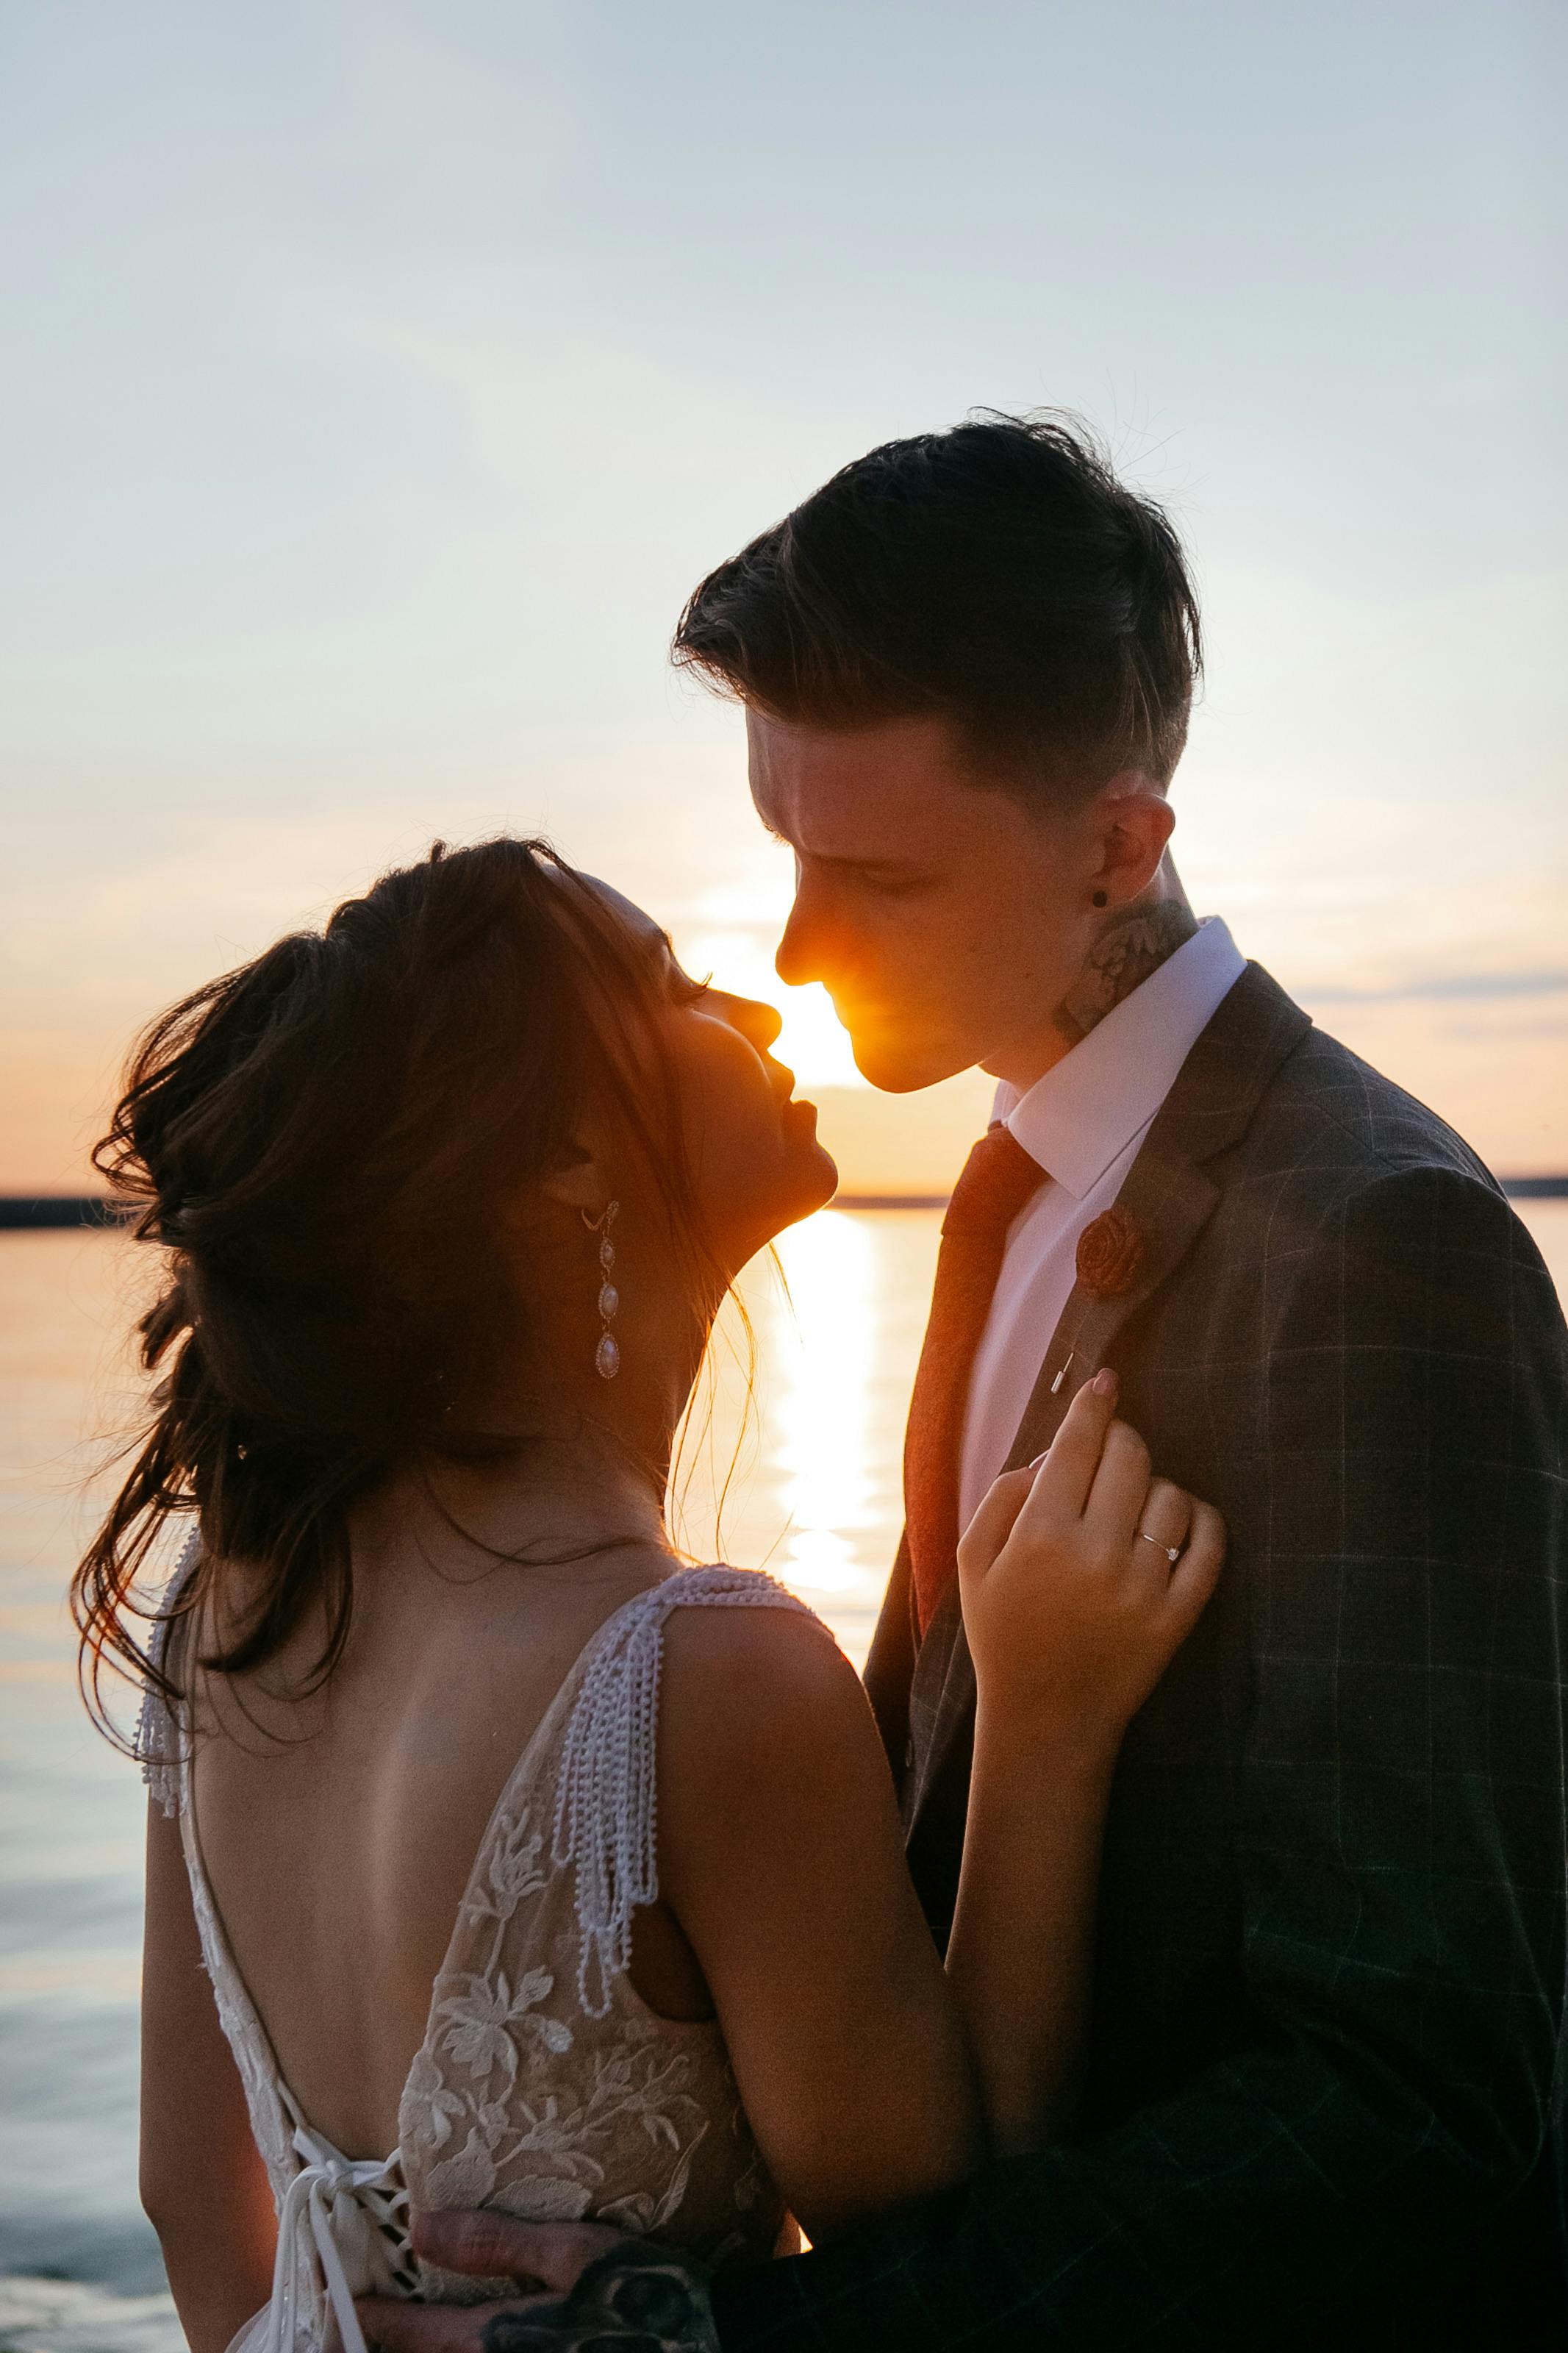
{"points": [[55, 1212]]}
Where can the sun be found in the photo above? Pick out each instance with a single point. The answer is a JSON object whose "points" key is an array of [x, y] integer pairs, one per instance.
{"points": [[813, 1043]]}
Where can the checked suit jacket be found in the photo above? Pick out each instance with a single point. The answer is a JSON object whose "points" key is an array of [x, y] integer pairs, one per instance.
{"points": [[1325, 2098]]}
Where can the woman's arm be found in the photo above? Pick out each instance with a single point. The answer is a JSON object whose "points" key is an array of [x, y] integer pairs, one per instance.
{"points": [[1071, 1617], [781, 1856], [204, 2184], [1020, 1953]]}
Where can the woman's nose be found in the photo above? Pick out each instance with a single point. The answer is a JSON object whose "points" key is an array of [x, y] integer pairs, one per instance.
{"points": [[758, 1022]]}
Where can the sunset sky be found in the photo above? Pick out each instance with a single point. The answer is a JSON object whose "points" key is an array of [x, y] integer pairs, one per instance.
{"points": [[378, 379]]}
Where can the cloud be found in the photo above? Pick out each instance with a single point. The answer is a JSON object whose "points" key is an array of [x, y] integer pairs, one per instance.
{"points": [[1435, 987]]}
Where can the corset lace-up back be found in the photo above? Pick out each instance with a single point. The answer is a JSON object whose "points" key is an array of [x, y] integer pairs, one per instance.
{"points": [[544, 2084]]}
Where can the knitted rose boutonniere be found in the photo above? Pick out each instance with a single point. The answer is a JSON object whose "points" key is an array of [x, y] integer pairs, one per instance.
{"points": [[1109, 1254]]}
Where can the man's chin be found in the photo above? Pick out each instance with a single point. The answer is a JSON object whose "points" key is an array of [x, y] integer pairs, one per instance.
{"points": [[902, 1067]]}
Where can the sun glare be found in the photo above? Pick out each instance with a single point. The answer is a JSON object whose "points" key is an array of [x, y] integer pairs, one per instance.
{"points": [[812, 1041]]}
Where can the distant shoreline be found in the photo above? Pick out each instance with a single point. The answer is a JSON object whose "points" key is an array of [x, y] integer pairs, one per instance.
{"points": [[46, 1212]]}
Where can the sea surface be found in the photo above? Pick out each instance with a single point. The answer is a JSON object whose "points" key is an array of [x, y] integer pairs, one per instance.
{"points": [[811, 1471]]}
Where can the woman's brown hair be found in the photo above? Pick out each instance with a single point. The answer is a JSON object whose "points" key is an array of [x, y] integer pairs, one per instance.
{"points": [[326, 1144]]}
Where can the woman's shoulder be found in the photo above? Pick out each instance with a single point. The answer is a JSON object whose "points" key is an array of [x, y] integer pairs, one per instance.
{"points": [[707, 1610], [724, 1689], [715, 1585], [731, 1652], [754, 1689], [743, 1626], [772, 1780], [738, 1614]]}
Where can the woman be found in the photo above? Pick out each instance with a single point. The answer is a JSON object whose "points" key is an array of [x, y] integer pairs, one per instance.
{"points": [[450, 1195]]}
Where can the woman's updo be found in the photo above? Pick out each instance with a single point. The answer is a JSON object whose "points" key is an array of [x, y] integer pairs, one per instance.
{"points": [[325, 1144]]}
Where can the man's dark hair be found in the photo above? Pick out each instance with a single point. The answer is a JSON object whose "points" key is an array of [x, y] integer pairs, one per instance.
{"points": [[997, 575]]}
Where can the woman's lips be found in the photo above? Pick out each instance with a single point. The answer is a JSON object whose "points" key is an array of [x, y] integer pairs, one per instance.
{"points": [[793, 1108]]}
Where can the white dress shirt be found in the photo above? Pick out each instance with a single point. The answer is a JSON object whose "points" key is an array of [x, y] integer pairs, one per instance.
{"points": [[1083, 1122]]}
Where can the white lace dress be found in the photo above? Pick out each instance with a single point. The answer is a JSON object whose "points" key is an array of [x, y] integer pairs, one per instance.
{"points": [[544, 2086]]}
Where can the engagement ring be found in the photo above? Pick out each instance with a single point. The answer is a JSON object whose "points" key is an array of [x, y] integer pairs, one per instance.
{"points": [[1172, 1552]]}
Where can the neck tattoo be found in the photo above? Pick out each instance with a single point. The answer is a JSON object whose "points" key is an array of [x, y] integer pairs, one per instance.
{"points": [[1134, 943]]}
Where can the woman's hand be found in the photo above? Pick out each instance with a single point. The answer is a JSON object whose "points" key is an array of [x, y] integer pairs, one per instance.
{"points": [[1071, 1617], [1071, 1605]]}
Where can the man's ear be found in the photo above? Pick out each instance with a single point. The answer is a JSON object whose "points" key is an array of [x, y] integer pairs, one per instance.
{"points": [[1136, 821]]}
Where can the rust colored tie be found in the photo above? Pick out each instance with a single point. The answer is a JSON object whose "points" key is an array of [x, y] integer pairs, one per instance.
{"points": [[998, 1178]]}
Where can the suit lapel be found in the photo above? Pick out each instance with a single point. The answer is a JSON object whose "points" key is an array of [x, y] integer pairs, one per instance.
{"points": [[1170, 1195], [890, 1664], [1170, 1201]]}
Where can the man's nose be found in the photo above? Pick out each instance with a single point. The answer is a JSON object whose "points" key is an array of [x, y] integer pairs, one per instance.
{"points": [[798, 957]]}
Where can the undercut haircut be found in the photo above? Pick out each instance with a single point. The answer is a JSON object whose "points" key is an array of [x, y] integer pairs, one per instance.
{"points": [[996, 575]]}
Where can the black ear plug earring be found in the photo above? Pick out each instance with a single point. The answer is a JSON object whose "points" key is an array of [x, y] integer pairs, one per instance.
{"points": [[1100, 899]]}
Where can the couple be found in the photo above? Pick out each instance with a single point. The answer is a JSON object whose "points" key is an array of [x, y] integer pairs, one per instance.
{"points": [[1197, 1976]]}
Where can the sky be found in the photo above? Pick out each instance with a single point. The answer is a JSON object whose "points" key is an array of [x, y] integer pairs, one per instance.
{"points": [[377, 381]]}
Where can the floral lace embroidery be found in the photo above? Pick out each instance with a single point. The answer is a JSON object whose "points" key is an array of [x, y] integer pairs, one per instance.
{"points": [[159, 1742], [561, 2098]]}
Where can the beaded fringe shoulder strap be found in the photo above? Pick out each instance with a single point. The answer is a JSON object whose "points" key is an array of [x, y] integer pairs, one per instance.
{"points": [[159, 1742], [606, 1806]]}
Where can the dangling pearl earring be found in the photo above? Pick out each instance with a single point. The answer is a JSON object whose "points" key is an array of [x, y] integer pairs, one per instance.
{"points": [[607, 1355]]}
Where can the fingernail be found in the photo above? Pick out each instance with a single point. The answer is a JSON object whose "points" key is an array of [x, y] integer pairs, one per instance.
{"points": [[1105, 1382], [1039, 1459]]}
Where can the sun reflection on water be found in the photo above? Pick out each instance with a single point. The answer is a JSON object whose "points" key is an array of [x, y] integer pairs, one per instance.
{"points": [[822, 1423], [817, 1496]]}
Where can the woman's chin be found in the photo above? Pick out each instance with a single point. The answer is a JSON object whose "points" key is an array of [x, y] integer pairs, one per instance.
{"points": [[826, 1172], [782, 1193], [813, 1180], [819, 1170]]}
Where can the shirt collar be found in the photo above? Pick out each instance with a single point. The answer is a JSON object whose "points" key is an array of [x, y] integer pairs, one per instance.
{"points": [[1091, 1104]]}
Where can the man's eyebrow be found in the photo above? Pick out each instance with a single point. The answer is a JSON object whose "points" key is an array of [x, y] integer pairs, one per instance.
{"points": [[893, 864]]}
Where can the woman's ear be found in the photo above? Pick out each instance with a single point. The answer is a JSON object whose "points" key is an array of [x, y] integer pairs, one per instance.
{"points": [[581, 1184]]}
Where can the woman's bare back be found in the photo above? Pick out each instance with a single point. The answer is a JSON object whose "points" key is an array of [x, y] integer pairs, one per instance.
{"points": [[339, 1829]]}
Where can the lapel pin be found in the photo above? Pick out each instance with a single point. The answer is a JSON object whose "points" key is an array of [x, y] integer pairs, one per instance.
{"points": [[1109, 1254]]}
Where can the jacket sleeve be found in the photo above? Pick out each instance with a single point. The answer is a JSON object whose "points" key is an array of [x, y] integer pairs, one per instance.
{"points": [[1401, 1859]]}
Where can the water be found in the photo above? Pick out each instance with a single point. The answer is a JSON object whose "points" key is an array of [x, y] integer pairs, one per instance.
{"points": [[814, 1496]]}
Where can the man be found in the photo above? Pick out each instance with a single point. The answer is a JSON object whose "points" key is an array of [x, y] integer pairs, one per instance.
{"points": [[1323, 2094]]}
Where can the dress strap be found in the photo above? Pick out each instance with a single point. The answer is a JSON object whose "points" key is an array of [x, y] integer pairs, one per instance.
{"points": [[343, 2203], [606, 1812], [159, 1742]]}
